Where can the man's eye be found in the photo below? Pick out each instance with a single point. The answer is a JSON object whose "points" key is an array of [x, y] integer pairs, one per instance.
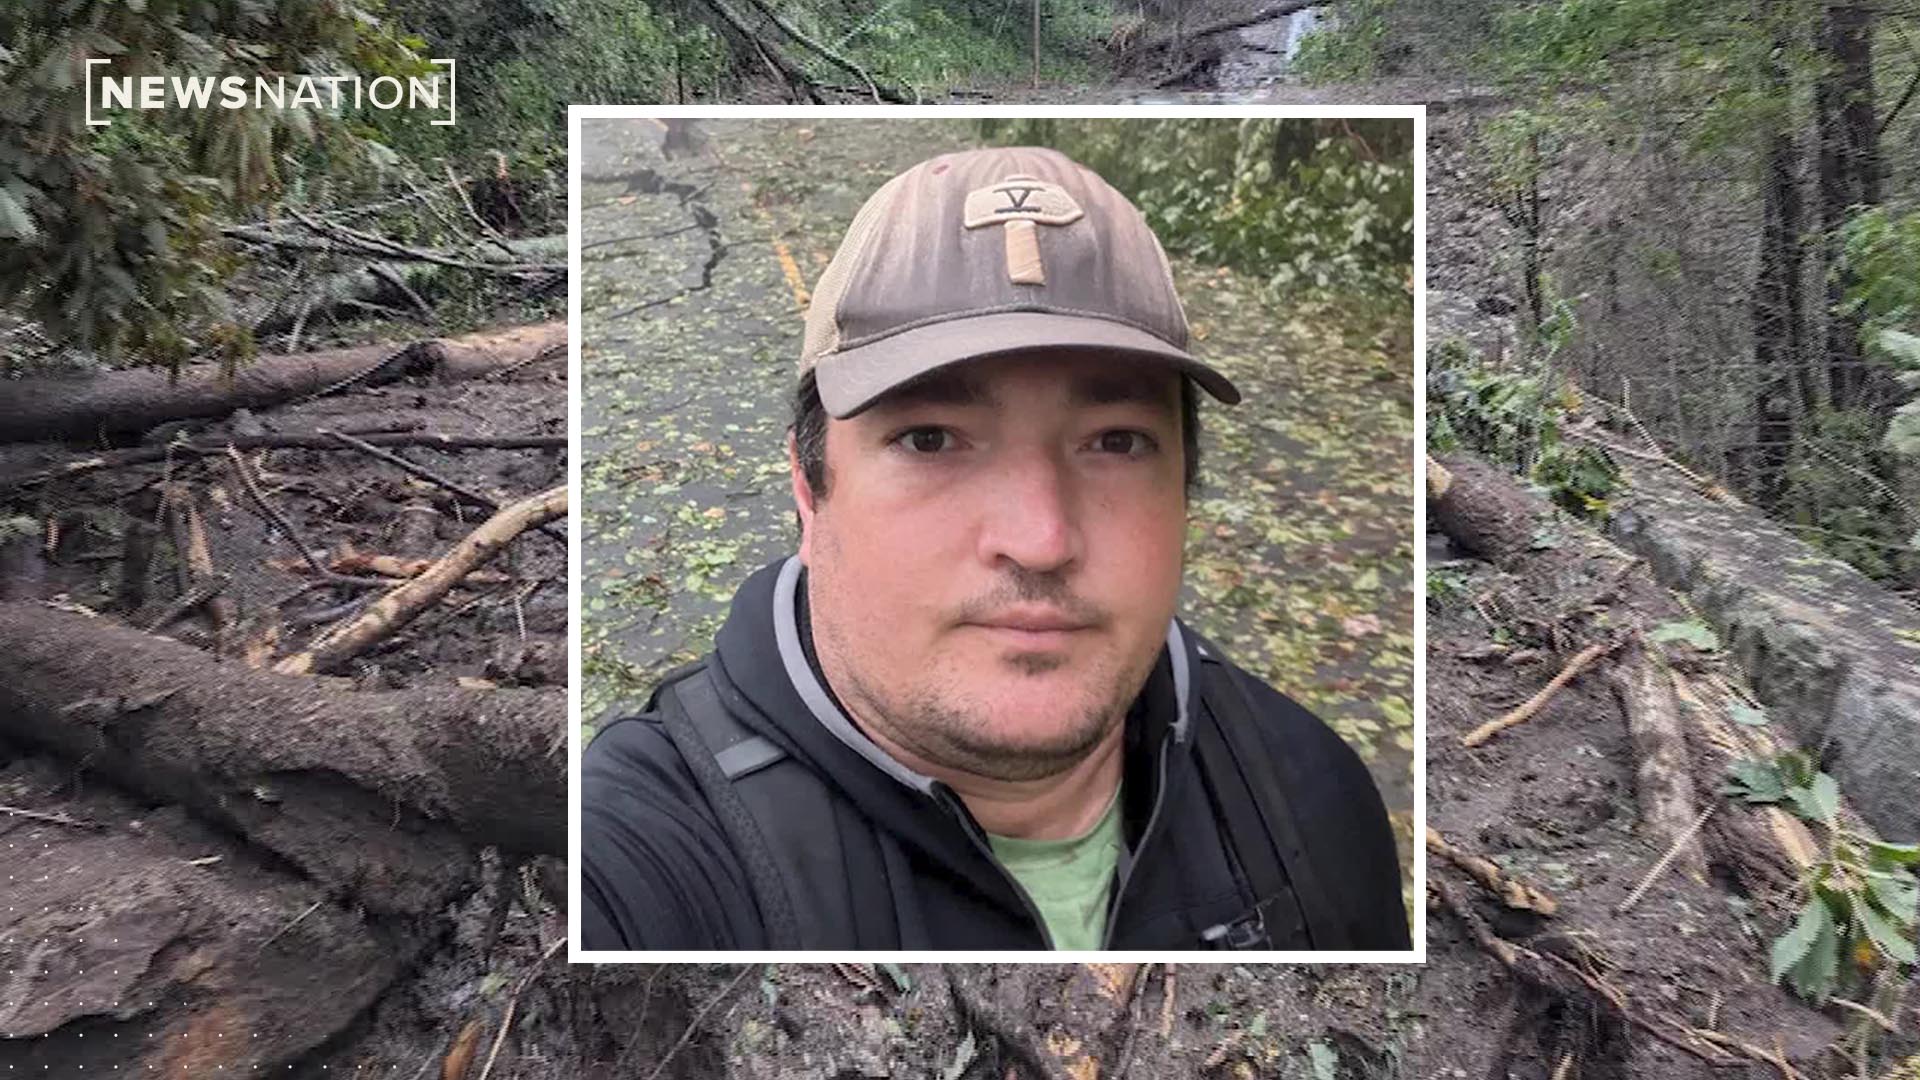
{"points": [[1130, 443], [926, 440]]}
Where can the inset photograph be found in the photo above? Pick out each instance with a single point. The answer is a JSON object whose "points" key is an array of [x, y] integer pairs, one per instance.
{"points": [[997, 534]]}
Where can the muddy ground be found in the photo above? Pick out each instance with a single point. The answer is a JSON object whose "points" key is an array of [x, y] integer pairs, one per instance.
{"points": [[1553, 803], [178, 894]]}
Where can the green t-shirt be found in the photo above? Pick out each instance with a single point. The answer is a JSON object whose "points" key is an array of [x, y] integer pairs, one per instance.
{"points": [[1068, 879]]}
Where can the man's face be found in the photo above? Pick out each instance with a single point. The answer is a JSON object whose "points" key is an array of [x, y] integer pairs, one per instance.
{"points": [[996, 557]]}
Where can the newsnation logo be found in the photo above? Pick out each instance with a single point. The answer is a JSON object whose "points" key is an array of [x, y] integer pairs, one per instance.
{"points": [[331, 93]]}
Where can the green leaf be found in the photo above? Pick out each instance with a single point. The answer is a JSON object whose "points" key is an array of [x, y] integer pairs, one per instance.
{"points": [[1817, 801], [1904, 348], [1755, 781], [1748, 715], [1813, 974], [1796, 768], [1885, 854], [15, 222], [1897, 894], [1693, 632], [1883, 933], [1792, 947], [1326, 1061], [901, 981]]}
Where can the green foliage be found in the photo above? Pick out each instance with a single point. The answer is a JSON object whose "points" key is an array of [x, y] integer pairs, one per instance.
{"points": [[932, 45], [1578, 479], [112, 245], [1444, 585], [1652, 53], [1693, 632], [1900, 347], [1515, 417], [1833, 490], [1352, 48], [1318, 209], [523, 61], [1860, 899], [1881, 246]]}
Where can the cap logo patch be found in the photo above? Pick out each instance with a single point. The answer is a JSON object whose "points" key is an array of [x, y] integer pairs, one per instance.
{"points": [[1020, 203], [1020, 198]]}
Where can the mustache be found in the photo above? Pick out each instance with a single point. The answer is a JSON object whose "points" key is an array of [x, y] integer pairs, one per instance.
{"points": [[1027, 587]]}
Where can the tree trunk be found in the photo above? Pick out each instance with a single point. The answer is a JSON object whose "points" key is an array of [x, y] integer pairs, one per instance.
{"points": [[377, 796], [334, 294], [1849, 177], [1036, 44], [1177, 40], [1483, 509], [1663, 766], [1777, 342], [137, 939], [125, 402]]}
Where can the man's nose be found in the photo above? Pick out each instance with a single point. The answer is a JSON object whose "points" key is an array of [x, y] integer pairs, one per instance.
{"points": [[1031, 517]]}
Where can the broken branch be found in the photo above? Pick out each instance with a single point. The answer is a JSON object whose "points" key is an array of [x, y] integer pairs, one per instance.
{"points": [[431, 477], [51, 819], [116, 402], [1561, 979], [1520, 715], [1513, 893], [1659, 867], [405, 603], [279, 521], [142, 455], [206, 590]]}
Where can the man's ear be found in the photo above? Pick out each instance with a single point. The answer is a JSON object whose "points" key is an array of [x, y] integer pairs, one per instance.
{"points": [[802, 499]]}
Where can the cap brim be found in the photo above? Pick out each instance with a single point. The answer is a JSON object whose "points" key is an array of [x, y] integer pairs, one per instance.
{"points": [[853, 379]]}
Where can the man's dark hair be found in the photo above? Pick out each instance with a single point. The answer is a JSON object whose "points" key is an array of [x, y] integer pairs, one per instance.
{"points": [[810, 434]]}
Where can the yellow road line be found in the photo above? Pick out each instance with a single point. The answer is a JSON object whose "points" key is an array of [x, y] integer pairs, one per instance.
{"points": [[796, 281]]}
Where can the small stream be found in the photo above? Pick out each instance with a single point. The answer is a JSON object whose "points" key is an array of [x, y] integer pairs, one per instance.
{"points": [[1260, 54], [1254, 65]]}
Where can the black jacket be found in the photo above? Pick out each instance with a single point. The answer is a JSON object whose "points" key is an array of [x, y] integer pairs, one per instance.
{"points": [[898, 862]]}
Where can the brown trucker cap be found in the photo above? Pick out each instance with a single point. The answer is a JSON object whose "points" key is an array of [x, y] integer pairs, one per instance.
{"points": [[989, 252]]}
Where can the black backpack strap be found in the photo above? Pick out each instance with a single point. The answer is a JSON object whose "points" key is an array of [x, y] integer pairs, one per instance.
{"points": [[719, 749], [1261, 829], [821, 875]]}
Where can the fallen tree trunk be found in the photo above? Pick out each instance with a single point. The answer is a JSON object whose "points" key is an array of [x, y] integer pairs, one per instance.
{"points": [[1663, 767], [881, 93], [1258, 15], [1482, 508], [181, 451], [143, 941], [122, 402], [377, 796], [370, 285]]}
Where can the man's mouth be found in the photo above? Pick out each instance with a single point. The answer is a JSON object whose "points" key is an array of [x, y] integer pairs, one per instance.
{"points": [[1033, 627]]}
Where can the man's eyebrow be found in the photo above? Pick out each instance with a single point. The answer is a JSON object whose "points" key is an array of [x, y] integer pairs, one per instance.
{"points": [[1116, 388]]}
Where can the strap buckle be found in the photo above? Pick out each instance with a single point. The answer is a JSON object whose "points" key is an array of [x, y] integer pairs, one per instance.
{"points": [[1249, 931]]}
